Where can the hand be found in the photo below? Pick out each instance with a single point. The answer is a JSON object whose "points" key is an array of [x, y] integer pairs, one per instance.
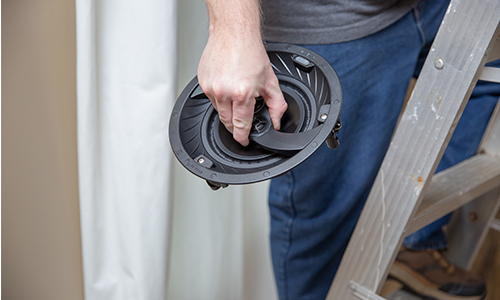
{"points": [[233, 72]]}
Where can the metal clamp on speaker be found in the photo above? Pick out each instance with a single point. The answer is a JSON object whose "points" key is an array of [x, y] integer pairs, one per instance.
{"points": [[313, 93]]}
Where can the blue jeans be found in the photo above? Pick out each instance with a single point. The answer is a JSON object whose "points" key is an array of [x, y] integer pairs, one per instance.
{"points": [[315, 207]]}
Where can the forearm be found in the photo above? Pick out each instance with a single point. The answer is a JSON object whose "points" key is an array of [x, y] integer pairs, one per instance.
{"points": [[238, 19]]}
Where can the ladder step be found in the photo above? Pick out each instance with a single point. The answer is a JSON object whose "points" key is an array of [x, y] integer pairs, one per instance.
{"points": [[362, 292], [491, 74], [455, 187], [495, 224]]}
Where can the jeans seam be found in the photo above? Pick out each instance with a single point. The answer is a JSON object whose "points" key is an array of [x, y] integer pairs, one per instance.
{"points": [[416, 14]]}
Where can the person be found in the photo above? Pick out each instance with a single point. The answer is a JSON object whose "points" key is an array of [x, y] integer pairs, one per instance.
{"points": [[376, 47]]}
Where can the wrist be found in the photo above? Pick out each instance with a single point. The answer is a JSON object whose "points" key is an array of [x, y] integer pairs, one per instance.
{"points": [[236, 31], [235, 19]]}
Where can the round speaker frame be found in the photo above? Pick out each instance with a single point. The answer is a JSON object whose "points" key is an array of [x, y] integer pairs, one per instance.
{"points": [[304, 62]]}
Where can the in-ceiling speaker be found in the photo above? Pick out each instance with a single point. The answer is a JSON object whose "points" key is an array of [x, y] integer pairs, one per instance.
{"points": [[312, 90]]}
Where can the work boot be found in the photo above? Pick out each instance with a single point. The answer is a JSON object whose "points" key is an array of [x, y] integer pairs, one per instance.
{"points": [[429, 274]]}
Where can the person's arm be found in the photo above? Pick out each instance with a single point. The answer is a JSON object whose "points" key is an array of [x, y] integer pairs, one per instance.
{"points": [[235, 69]]}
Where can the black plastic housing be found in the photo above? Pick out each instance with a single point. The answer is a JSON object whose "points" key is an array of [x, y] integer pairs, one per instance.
{"points": [[205, 148]]}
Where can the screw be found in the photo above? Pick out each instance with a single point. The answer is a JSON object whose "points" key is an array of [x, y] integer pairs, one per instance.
{"points": [[201, 160], [323, 116], [353, 287], [439, 63], [473, 216]]}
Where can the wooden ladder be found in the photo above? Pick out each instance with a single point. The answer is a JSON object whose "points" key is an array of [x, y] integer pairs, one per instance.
{"points": [[405, 197]]}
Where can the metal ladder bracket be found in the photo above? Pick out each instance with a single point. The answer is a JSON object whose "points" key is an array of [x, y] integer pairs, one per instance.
{"points": [[362, 292]]}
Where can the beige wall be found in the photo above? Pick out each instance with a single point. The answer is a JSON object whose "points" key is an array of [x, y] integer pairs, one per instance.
{"points": [[41, 250]]}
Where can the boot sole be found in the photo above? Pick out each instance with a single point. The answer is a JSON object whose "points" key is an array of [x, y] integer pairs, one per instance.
{"points": [[421, 286]]}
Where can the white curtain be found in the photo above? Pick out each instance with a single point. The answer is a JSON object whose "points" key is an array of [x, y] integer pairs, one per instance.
{"points": [[126, 88], [127, 82]]}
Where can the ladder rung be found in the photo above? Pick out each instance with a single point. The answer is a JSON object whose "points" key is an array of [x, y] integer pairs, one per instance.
{"points": [[455, 187], [491, 74], [362, 292], [495, 224]]}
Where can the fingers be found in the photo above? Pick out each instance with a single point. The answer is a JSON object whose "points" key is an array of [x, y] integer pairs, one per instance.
{"points": [[222, 103], [232, 82], [226, 115], [275, 102], [236, 108], [242, 119]]}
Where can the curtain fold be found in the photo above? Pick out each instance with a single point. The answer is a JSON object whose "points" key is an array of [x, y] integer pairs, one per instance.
{"points": [[126, 63], [133, 59]]}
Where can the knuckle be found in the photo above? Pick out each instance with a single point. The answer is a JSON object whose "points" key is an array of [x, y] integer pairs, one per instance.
{"points": [[240, 93], [224, 90], [283, 107], [241, 124], [224, 119], [205, 85], [218, 90], [279, 106]]}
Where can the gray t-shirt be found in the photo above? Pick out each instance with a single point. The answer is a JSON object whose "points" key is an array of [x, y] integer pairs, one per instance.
{"points": [[329, 21]]}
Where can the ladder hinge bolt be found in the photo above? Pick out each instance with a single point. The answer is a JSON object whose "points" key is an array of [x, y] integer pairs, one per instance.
{"points": [[439, 63], [352, 287]]}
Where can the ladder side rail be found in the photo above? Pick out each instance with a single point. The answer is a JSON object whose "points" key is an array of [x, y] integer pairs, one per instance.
{"points": [[440, 95]]}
